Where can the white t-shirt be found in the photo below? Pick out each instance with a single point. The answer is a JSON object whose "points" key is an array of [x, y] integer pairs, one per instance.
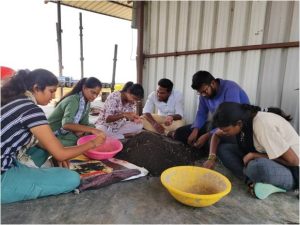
{"points": [[173, 106], [274, 135]]}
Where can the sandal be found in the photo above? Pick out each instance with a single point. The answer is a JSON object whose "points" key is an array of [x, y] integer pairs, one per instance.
{"points": [[262, 190]]}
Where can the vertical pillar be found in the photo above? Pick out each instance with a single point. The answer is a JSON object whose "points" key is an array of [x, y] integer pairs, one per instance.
{"points": [[59, 43], [81, 44], [114, 69], [140, 49]]}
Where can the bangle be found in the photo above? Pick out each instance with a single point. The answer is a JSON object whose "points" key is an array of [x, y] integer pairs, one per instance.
{"points": [[212, 157]]}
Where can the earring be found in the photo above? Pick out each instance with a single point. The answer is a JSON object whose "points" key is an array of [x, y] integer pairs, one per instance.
{"points": [[242, 138]]}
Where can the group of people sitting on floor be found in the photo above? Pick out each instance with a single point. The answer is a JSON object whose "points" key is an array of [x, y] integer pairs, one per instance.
{"points": [[259, 146]]}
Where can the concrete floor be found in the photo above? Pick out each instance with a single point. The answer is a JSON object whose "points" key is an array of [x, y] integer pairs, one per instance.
{"points": [[146, 201]]}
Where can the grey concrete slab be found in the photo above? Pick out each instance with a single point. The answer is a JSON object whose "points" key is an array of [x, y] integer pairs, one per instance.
{"points": [[146, 201]]}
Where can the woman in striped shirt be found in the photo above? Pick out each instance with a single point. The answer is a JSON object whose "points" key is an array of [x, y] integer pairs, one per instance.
{"points": [[21, 119]]}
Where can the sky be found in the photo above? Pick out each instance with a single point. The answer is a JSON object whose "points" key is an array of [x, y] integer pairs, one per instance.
{"points": [[28, 41]]}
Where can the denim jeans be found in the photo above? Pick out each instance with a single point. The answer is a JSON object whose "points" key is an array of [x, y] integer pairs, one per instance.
{"points": [[232, 158], [268, 171], [258, 170]]}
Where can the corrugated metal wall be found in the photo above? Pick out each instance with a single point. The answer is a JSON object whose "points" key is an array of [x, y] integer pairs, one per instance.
{"points": [[270, 77]]}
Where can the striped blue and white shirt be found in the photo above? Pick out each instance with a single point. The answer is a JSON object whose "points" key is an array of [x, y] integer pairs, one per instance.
{"points": [[17, 118]]}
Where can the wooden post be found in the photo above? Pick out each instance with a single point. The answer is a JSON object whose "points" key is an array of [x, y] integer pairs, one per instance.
{"points": [[81, 44], [59, 43], [114, 69]]}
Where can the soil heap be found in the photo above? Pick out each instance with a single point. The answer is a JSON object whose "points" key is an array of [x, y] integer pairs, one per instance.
{"points": [[156, 152]]}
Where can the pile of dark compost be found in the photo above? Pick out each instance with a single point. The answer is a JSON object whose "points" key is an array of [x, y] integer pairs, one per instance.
{"points": [[156, 152]]}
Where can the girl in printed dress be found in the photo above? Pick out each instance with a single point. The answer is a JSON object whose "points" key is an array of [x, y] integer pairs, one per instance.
{"points": [[118, 118]]}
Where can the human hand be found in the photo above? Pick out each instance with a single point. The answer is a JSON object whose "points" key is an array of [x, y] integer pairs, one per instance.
{"points": [[96, 131], [64, 164], [247, 158], [168, 120], [137, 120], [131, 116], [100, 139], [201, 140], [219, 132], [209, 164], [192, 137], [159, 128]]}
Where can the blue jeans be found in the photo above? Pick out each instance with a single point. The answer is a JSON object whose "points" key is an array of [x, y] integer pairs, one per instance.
{"points": [[268, 171], [23, 183], [258, 170], [232, 158]]}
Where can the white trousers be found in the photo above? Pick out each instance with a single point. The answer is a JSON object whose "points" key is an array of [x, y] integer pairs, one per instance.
{"points": [[128, 128]]}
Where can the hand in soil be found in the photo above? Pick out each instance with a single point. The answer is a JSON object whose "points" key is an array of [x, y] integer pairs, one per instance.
{"points": [[209, 164], [201, 140], [192, 138]]}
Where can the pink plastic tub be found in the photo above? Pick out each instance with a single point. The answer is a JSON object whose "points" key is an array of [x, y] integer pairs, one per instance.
{"points": [[107, 150]]}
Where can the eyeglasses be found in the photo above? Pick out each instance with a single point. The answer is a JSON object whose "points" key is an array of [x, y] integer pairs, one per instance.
{"points": [[204, 90]]}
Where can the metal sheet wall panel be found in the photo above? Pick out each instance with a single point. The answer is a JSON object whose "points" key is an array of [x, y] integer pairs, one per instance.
{"points": [[280, 17], [182, 34], [223, 24], [208, 25], [194, 34], [190, 100], [270, 76], [294, 36], [172, 27], [256, 23], [290, 94]]}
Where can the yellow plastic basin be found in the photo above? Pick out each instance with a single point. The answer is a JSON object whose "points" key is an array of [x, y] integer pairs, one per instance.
{"points": [[195, 186]]}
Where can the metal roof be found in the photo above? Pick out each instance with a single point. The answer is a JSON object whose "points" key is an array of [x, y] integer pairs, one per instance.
{"points": [[118, 9]]}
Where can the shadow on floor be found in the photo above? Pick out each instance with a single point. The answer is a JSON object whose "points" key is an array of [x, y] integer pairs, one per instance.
{"points": [[145, 200]]}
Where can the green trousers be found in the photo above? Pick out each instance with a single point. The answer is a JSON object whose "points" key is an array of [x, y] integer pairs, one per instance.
{"points": [[21, 182]]}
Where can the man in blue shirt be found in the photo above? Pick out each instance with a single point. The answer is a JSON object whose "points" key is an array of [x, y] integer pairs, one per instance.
{"points": [[212, 92]]}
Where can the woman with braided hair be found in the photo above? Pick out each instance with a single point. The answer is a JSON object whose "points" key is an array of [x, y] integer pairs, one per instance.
{"points": [[70, 118], [21, 120], [267, 154]]}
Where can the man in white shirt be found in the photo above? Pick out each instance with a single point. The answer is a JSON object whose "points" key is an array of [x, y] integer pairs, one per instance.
{"points": [[169, 105]]}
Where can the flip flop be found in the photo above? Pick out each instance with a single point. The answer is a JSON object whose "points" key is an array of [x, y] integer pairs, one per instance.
{"points": [[262, 190]]}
